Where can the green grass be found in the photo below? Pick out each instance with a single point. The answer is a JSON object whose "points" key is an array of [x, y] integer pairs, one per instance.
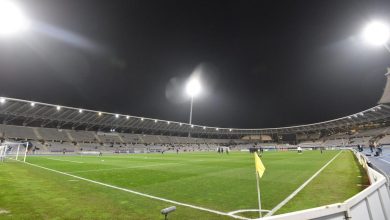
{"points": [[343, 171], [220, 182]]}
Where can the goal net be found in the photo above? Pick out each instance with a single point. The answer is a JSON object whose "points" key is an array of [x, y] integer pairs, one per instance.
{"points": [[14, 150]]}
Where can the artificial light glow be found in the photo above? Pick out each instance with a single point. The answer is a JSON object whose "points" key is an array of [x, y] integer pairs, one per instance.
{"points": [[193, 87], [217, 129], [180, 124], [58, 107], [2, 100], [376, 33], [168, 122], [12, 19], [32, 104], [142, 119], [80, 111], [155, 121], [192, 126], [204, 128], [100, 114], [230, 129], [127, 117], [116, 116]]}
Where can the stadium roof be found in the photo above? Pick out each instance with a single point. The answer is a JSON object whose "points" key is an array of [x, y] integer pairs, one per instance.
{"points": [[30, 113]]}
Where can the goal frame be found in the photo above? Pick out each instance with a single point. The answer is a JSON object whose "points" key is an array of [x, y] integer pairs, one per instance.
{"points": [[4, 146]]}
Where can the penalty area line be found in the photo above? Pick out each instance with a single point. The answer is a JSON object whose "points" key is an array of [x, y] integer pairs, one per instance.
{"points": [[292, 195], [142, 194]]}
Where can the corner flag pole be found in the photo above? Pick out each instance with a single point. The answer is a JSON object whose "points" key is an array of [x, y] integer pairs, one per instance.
{"points": [[258, 193], [259, 173]]}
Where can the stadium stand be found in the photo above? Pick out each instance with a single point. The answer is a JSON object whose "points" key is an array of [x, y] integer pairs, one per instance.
{"points": [[19, 132], [385, 140], [51, 134], [336, 142], [82, 136]]}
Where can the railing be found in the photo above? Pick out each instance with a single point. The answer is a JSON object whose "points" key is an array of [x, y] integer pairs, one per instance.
{"points": [[373, 203]]}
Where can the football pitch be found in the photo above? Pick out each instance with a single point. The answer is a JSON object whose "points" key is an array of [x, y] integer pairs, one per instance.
{"points": [[202, 185]]}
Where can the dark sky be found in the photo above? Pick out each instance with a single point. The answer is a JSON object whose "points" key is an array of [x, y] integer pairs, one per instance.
{"points": [[265, 63]]}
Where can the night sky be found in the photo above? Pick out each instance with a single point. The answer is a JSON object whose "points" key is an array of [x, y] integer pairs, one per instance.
{"points": [[263, 63]]}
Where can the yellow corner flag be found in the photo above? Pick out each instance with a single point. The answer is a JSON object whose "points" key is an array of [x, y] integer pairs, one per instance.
{"points": [[259, 165]]}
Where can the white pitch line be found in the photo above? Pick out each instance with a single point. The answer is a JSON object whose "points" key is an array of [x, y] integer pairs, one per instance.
{"points": [[384, 160], [143, 194], [122, 168], [247, 210], [64, 160], [292, 195]]}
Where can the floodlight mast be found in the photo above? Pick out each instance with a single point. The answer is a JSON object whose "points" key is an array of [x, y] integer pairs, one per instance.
{"points": [[193, 89], [192, 103]]}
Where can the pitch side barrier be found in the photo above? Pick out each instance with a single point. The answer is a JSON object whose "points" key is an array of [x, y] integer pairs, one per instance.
{"points": [[373, 203]]}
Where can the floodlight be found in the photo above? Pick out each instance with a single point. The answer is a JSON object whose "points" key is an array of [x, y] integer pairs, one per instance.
{"points": [[116, 116], [12, 18], [2, 100], [193, 87], [80, 111], [376, 33], [99, 113], [32, 104], [58, 107]]}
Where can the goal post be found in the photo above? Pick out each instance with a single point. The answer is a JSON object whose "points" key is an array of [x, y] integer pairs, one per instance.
{"points": [[2, 152]]}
